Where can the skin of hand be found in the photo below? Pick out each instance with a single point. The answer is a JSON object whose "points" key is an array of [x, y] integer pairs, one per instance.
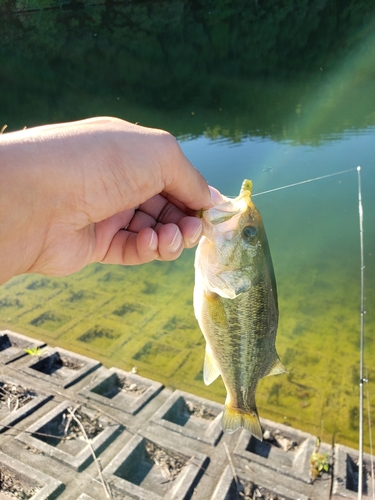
{"points": [[96, 190]]}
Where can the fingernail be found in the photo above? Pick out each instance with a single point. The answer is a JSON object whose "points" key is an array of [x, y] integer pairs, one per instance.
{"points": [[176, 242], [153, 245], [193, 240], [216, 196]]}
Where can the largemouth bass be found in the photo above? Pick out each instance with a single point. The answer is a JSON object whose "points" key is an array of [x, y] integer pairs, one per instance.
{"points": [[235, 303]]}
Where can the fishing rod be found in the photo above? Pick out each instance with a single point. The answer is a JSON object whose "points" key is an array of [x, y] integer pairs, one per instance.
{"points": [[362, 379], [370, 437]]}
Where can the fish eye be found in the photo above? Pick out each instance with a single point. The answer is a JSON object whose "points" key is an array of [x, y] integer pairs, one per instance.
{"points": [[249, 233]]}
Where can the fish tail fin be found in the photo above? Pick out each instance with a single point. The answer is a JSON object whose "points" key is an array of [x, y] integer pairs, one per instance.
{"points": [[234, 419]]}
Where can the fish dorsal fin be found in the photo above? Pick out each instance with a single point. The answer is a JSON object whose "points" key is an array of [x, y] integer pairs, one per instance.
{"points": [[276, 368], [210, 371]]}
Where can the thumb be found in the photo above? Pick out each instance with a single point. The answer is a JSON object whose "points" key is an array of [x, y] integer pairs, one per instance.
{"points": [[183, 181]]}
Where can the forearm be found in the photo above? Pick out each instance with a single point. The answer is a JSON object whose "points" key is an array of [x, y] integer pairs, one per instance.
{"points": [[23, 205]]}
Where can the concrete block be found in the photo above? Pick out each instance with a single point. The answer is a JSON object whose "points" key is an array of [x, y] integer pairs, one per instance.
{"points": [[34, 482], [122, 390], [13, 345], [228, 489], [178, 451], [49, 435], [101, 496], [283, 449], [59, 366], [346, 473], [191, 416], [12, 411], [151, 468]]}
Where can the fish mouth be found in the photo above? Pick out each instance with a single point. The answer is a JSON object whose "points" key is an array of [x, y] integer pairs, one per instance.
{"points": [[220, 216], [227, 210], [230, 207]]}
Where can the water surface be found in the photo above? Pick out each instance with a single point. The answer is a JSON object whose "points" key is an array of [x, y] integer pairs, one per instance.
{"points": [[279, 92]]}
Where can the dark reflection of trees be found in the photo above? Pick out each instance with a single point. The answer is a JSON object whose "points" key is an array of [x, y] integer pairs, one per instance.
{"points": [[222, 68]]}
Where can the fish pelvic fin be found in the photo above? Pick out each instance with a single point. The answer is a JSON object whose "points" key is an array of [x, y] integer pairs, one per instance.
{"points": [[210, 371], [234, 419], [276, 368]]}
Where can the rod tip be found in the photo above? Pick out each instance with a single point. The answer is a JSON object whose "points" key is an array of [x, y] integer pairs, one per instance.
{"points": [[358, 168]]}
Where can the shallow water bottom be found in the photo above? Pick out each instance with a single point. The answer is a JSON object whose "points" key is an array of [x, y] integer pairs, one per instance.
{"points": [[143, 316]]}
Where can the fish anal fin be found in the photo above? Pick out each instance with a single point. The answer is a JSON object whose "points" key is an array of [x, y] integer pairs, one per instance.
{"points": [[276, 368], [234, 419], [210, 371]]}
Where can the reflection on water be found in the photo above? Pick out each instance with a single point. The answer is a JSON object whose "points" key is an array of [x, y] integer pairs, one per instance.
{"points": [[276, 69], [276, 92]]}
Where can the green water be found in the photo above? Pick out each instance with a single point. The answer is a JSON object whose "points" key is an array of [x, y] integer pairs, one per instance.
{"points": [[278, 92]]}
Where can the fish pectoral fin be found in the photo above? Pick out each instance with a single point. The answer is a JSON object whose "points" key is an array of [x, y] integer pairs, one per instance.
{"points": [[230, 284], [234, 419], [210, 370], [276, 368]]}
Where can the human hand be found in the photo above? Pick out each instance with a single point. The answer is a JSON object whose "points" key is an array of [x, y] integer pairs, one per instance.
{"points": [[97, 190]]}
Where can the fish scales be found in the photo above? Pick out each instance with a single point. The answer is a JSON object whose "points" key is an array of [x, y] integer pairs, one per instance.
{"points": [[235, 302]]}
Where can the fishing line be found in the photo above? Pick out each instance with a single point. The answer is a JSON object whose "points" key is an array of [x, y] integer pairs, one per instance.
{"points": [[305, 182], [362, 380]]}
